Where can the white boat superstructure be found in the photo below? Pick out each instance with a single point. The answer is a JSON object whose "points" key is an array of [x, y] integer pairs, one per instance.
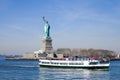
{"points": [[73, 63]]}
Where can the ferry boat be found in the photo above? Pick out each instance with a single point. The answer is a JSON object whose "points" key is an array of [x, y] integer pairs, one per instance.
{"points": [[73, 63]]}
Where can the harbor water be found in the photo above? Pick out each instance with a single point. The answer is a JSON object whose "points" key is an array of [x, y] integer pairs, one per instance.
{"points": [[30, 70]]}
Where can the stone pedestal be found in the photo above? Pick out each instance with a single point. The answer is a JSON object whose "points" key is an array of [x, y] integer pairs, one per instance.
{"points": [[47, 46]]}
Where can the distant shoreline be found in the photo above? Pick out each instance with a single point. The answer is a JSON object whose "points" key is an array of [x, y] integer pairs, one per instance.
{"points": [[21, 59], [38, 59], [114, 59]]}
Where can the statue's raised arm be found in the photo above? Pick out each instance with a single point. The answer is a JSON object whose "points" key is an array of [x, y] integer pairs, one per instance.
{"points": [[44, 19]]}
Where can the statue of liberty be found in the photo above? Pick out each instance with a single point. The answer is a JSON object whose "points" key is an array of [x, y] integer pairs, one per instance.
{"points": [[46, 28]]}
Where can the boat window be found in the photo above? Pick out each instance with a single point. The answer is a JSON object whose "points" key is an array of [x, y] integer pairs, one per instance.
{"points": [[45, 62], [75, 63], [91, 63], [63, 63], [54, 63]]}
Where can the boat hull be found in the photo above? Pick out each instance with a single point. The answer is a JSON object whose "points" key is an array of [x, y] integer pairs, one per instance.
{"points": [[82, 67]]}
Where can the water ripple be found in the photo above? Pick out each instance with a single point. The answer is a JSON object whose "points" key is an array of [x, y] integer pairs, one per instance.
{"points": [[30, 70]]}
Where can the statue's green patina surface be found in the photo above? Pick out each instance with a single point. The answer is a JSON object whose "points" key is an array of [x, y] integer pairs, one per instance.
{"points": [[46, 28]]}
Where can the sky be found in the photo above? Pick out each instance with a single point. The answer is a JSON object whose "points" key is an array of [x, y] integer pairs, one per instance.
{"points": [[74, 24]]}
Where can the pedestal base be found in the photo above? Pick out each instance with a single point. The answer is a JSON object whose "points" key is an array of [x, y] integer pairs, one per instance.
{"points": [[47, 45]]}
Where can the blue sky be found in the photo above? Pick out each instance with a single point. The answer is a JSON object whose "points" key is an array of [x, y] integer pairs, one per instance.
{"points": [[74, 24]]}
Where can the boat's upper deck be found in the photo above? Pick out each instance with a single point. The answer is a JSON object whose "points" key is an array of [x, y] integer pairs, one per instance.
{"points": [[71, 59]]}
